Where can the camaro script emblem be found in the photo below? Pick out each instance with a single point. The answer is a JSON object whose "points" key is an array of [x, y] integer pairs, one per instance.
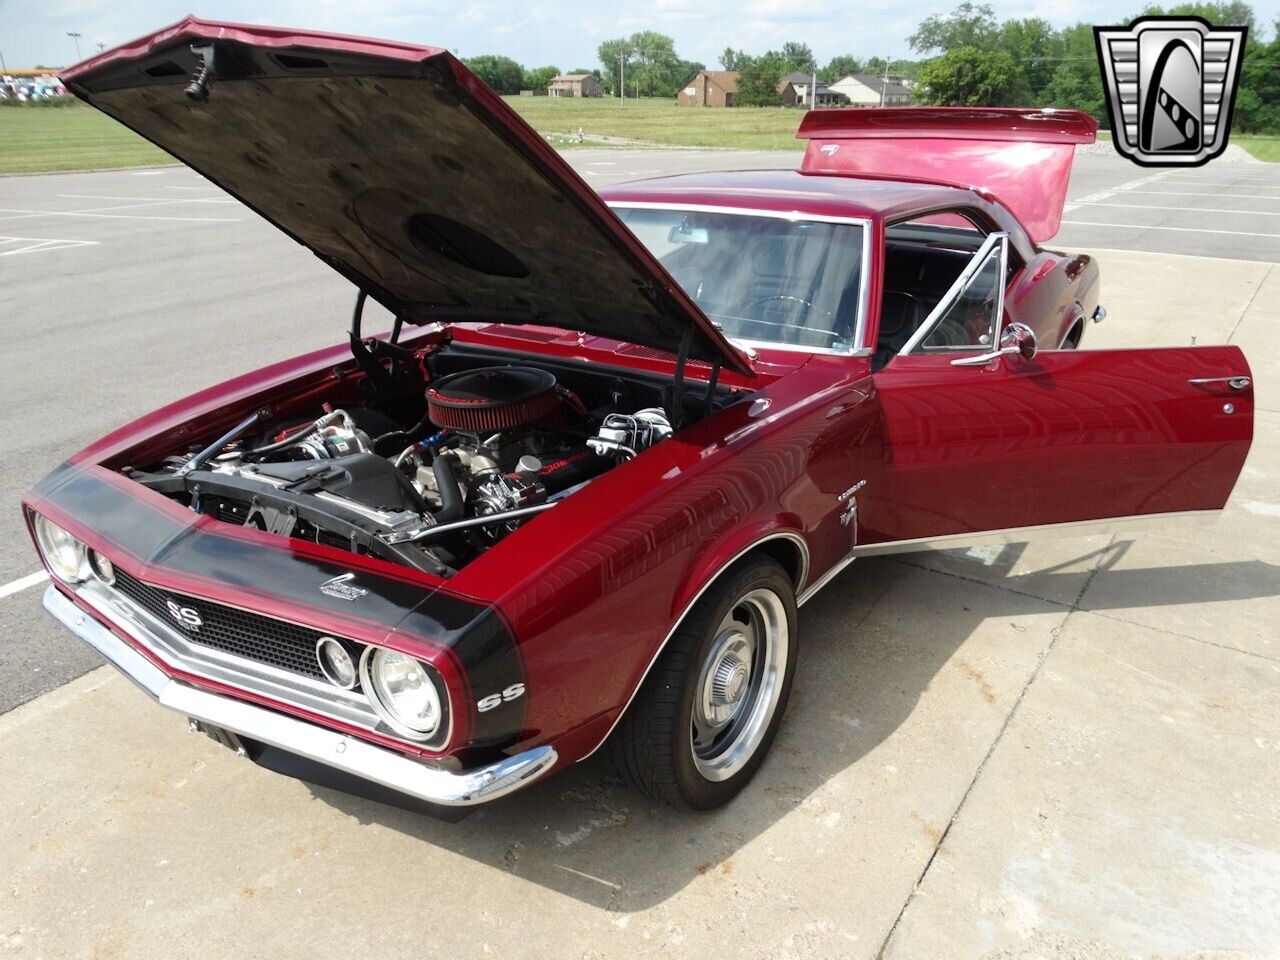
{"points": [[342, 588]]}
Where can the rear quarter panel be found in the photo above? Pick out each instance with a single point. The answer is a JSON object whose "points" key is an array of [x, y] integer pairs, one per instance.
{"points": [[1052, 293]]}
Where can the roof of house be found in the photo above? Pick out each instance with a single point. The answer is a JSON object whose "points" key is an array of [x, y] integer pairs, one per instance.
{"points": [[563, 77], [797, 77], [726, 80], [890, 87]]}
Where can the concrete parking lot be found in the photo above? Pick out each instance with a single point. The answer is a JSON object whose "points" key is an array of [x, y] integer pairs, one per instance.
{"points": [[1063, 749]]}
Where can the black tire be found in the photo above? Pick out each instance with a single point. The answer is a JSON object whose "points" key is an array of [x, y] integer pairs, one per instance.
{"points": [[653, 747]]}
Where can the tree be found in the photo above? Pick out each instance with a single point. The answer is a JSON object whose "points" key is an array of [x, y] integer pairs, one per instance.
{"points": [[652, 66], [1258, 99], [758, 79], [1076, 81], [615, 54], [503, 74], [729, 59], [538, 78], [970, 77], [1036, 47], [966, 26], [798, 57], [839, 66]]}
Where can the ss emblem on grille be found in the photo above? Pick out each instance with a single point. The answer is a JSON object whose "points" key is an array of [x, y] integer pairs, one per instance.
{"points": [[188, 617]]}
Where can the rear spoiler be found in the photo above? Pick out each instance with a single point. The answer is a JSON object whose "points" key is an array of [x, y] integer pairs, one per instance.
{"points": [[1020, 156]]}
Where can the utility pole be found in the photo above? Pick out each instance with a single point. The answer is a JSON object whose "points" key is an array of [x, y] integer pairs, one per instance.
{"points": [[76, 37], [622, 78], [813, 85], [101, 46], [885, 81], [3, 68]]}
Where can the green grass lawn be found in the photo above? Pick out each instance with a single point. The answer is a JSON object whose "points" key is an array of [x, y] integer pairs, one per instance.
{"points": [[41, 139], [661, 121], [1263, 148], [46, 139]]}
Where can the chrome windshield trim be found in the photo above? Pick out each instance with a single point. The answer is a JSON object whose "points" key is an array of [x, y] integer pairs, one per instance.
{"points": [[857, 341], [351, 755]]}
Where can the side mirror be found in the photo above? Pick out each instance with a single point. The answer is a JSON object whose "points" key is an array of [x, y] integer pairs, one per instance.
{"points": [[1020, 339], [1016, 338]]}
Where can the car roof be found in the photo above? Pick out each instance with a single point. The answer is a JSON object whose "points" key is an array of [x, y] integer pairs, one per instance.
{"points": [[818, 194]]}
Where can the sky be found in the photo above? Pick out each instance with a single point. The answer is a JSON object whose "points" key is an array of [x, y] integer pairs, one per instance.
{"points": [[564, 33]]}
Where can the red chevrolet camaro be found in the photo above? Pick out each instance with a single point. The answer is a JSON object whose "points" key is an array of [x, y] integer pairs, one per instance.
{"points": [[574, 499]]}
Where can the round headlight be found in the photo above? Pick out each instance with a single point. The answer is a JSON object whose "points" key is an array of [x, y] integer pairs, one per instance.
{"points": [[102, 568], [402, 691], [336, 663], [66, 555]]}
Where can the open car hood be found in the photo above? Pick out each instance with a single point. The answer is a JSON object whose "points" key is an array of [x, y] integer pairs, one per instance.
{"points": [[1021, 157], [400, 169]]}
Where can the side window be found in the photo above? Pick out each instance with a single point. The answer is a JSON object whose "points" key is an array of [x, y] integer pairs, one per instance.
{"points": [[922, 259], [968, 317]]}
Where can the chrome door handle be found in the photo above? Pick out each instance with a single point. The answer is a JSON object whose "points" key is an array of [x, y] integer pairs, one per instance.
{"points": [[1235, 383]]}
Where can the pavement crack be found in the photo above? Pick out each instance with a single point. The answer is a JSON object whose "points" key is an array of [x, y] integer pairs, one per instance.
{"points": [[982, 765], [1248, 306], [981, 582], [1180, 636]]}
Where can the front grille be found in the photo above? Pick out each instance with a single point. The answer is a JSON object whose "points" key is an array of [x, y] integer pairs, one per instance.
{"points": [[285, 646]]}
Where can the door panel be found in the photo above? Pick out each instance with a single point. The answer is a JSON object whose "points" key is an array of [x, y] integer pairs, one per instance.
{"points": [[1067, 436]]}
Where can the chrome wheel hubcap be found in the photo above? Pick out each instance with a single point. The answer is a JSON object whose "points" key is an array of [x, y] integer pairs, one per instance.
{"points": [[739, 684]]}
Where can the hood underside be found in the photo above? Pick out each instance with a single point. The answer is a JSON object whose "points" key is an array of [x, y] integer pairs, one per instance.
{"points": [[404, 172]]}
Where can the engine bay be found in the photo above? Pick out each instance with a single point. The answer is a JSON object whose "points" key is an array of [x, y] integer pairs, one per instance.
{"points": [[470, 446]]}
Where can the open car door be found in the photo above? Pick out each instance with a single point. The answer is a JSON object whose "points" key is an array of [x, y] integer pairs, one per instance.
{"points": [[983, 442]]}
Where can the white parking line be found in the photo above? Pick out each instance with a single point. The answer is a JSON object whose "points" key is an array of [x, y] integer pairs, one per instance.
{"points": [[22, 583], [1275, 185], [1152, 206], [149, 200], [38, 245], [1196, 193], [1131, 226], [22, 214]]}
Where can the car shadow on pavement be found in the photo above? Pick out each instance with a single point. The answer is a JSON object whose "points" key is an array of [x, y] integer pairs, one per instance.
{"points": [[873, 645]]}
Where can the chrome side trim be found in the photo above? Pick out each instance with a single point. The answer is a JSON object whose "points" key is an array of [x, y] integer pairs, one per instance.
{"points": [[826, 578], [333, 749], [804, 573], [856, 342], [1044, 531], [1078, 528], [1099, 314]]}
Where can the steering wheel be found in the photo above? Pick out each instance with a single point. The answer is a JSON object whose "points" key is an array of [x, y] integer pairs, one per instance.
{"points": [[787, 298]]}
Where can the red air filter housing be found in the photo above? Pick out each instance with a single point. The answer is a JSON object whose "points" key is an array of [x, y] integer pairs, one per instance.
{"points": [[490, 399]]}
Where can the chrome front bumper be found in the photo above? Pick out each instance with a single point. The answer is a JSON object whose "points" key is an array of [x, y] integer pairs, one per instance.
{"points": [[329, 747]]}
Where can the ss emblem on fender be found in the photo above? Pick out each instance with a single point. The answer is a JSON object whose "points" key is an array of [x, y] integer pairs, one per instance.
{"points": [[513, 692], [188, 617]]}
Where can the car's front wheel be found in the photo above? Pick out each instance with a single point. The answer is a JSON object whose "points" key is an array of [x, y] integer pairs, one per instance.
{"points": [[707, 714]]}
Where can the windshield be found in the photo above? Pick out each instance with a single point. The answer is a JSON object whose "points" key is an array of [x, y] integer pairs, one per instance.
{"points": [[765, 279]]}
